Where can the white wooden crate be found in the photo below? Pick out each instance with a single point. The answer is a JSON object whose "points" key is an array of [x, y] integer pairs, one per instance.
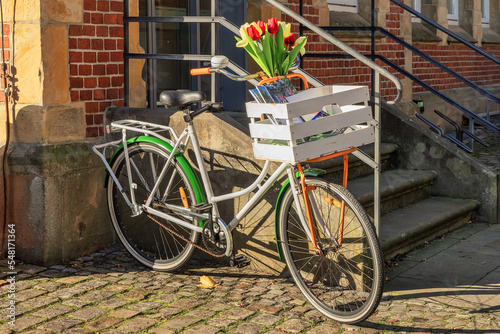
{"points": [[296, 142]]}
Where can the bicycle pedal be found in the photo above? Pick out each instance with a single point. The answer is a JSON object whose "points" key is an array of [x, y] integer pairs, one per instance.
{"points": [[201, 208], [239, 261]]}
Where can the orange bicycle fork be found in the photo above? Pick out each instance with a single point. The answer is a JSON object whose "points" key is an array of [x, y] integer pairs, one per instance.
{"points": [[306, 189]]}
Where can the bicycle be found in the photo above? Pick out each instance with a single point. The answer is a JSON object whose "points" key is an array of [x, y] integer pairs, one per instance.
{"points": [[160, 211]]}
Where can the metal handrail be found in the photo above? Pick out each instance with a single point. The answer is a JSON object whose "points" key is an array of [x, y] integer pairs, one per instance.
{"points": [[438, 64], [431, 89], [357, 55], [447, 31], [413, 49], [443, 134]]}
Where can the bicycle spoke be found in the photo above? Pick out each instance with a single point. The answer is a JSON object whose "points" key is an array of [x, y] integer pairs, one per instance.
{"points": [[339, 281], [148, 241]]}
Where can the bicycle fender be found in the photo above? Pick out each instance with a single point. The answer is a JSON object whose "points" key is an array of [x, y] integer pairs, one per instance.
{"points": [[308, 172], [180, 158]]}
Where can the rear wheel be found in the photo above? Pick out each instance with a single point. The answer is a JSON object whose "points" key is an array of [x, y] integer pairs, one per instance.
{"points": [[342, 282], [146, 240]]}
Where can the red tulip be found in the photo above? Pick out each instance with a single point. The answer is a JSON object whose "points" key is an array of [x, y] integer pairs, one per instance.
{"points": [[262, 27], [253, 33], [290, 40], [272, 25]]}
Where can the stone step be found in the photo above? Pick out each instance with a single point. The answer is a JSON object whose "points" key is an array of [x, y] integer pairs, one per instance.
{"points": [[398, 188], [406, 228], [357, 168]]}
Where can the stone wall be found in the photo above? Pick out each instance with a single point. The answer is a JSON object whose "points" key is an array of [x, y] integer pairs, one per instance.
{"points": [[53, 195]]}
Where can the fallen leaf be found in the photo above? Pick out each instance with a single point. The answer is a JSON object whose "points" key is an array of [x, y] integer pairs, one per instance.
{"points": [[207, 283]]}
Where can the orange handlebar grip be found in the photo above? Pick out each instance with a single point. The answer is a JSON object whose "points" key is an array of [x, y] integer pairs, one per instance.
{"points": [[200, 71]]}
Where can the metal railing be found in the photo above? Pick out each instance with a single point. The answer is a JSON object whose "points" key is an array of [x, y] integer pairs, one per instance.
{"points": [[446, 31], [373, 29], [151, 55], [490, 97]]}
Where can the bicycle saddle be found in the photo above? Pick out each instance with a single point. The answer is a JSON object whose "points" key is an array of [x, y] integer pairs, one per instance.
{"points": [[181, 98]]}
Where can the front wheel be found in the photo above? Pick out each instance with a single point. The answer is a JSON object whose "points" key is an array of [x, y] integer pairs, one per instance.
{"points": [[148, 241], [344, 280]]}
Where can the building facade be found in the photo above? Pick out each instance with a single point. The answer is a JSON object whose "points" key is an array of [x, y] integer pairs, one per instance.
{"points": [[66, 68]]}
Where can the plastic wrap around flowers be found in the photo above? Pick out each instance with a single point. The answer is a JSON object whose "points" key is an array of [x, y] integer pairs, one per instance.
{"points": [[271, 45]]}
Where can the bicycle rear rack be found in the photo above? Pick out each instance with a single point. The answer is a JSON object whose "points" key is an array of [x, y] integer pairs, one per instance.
{"points": [[148, 129]]}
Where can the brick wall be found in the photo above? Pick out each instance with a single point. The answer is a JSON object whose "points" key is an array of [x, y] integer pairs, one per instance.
{"points": [[459, 58], [6, 44], [96, 61]]}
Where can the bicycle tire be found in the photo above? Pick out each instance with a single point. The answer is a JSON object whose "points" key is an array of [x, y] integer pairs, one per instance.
{"points": [[343, 283], [144, 239]]}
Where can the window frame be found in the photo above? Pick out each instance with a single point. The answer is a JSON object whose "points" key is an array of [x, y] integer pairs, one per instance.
{"points": [[349, 6], [453, 16], [417, 5], [485, 13]]}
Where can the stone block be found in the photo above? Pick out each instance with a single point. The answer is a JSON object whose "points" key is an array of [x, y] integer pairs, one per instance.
{"points": [[57, 202], [28, 124], [64, 123], [19, 11], [28, 69], [55, 64], [65, 11]]}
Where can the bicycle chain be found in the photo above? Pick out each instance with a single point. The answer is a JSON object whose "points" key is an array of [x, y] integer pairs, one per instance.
{"points": [[187, 240]]}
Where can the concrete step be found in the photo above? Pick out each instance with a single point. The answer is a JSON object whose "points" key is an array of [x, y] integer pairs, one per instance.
{"points": [[357, 168], [398, 188], [406, 228]]}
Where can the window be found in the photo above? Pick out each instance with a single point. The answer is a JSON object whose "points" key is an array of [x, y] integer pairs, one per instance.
{"points": [[350, 6], [160, 39], [417, 5], [452, 11], [485, 11]]}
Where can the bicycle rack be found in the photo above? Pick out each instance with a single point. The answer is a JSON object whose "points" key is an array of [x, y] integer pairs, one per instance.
{"points": [[440, 131], [460, 132]]}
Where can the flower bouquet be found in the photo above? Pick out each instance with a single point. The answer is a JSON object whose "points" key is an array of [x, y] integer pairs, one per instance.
{"points": [[271, 45]]}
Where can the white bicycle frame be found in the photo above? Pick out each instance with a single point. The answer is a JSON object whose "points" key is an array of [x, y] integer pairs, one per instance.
{"points": [[181, 142]]}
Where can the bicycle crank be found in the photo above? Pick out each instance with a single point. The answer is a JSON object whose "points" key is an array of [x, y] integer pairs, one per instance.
{"points": [[217, 238]]}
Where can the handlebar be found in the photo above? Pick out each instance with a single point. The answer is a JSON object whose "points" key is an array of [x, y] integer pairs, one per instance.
{"points": [[232, 76], [200, 71]]}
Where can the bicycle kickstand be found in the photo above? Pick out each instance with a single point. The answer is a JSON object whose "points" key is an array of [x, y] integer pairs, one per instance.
{"points": [[239, 260]]}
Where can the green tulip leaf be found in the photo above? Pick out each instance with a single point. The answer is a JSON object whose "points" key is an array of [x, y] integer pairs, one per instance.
{"points": [[268, 53], [293, 54]]}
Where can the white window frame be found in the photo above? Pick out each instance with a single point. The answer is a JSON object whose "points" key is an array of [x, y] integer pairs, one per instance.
{"points": [[350, 6], [485, 13], [453, 16], [417, 5]]}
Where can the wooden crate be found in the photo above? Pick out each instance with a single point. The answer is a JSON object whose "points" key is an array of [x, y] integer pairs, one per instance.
{"points": [[292, 142]]}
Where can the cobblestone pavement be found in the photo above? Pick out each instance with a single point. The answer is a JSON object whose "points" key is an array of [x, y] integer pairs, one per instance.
{"points": [[109, 292]]}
